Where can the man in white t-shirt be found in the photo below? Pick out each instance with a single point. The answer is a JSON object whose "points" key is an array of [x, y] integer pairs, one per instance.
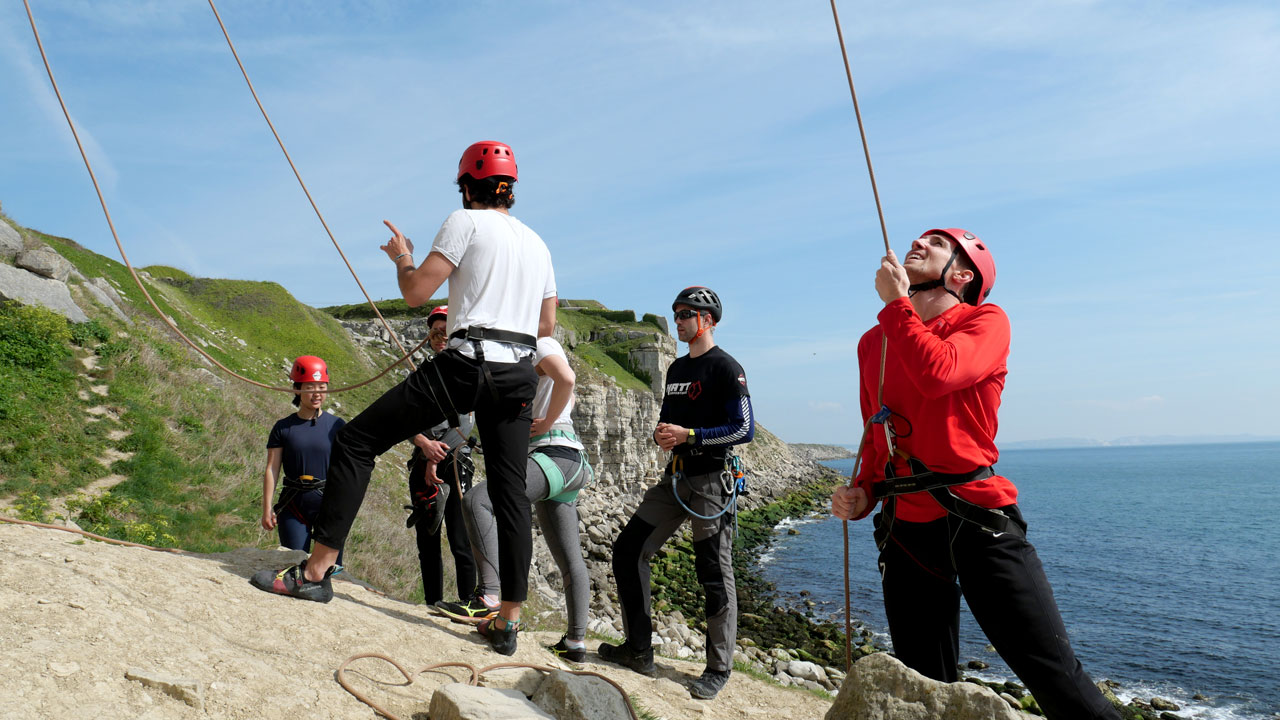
{"points": [[502, 296]]}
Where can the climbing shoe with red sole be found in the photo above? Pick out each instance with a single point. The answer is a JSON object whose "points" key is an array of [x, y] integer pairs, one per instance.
{"points": [[292, 581]]}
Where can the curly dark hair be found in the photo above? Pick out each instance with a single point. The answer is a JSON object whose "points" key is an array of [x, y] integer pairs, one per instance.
{"points": [[491, 192]]}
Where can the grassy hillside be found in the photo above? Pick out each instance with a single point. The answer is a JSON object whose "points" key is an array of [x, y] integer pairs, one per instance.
{"points": [[188, 442]]}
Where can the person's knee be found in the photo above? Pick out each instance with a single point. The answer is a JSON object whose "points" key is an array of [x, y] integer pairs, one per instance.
{"points": [[716, 579], [628, 548]]}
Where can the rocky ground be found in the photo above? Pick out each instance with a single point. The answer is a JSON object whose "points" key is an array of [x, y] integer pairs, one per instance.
{"points": [[97, 630]]}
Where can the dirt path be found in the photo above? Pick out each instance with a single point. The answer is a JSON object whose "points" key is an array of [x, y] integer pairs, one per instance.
{"points": [[79, 614]]}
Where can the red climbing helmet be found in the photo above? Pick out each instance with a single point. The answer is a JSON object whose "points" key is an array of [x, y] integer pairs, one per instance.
{"points": [[976, 250], [486, 159], [439, 311], [309, 368]]}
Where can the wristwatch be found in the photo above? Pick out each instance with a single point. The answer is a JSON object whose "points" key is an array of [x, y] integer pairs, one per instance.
{"points": [[693, 436]]}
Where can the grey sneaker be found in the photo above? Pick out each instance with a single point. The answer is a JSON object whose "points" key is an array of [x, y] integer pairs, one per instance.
{"points": [[639, 660], [709, 685]]}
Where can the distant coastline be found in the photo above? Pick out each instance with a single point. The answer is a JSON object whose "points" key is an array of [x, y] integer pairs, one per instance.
{"points": [[818, 453], [1068, 443], [1133, 441]]}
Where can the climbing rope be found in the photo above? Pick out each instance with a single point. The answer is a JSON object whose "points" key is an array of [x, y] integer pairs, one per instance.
{"points": [[475, 678], [884, 340], [134, 274]]}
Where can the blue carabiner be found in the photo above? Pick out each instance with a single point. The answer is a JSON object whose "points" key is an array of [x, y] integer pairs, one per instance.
{"points": [[882, 416]]}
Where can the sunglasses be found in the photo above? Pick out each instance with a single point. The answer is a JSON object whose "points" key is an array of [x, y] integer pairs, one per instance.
{"points": [[686, 314]]}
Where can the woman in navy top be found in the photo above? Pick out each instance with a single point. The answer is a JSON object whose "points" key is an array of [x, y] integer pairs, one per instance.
{"points": [[300, 444]]}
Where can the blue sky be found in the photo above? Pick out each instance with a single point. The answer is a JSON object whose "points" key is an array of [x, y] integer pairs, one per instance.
{"points": [[1119, 157]]}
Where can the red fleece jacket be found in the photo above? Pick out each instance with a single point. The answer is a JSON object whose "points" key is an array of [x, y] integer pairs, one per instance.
{"points": [[942, 379]]}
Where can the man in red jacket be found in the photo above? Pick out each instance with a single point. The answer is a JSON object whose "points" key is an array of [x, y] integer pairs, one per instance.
{"points": [[947, 515]]}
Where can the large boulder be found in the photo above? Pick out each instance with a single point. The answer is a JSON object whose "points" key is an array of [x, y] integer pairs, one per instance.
{"points": [[10, 241], [580, 697], [30, 289], [457, 701], [45, 261], [880, 687]]}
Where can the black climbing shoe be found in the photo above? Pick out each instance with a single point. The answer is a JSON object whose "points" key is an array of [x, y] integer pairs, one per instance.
{"points": [[502, 640], [564, 652], [291, 581], [639, 660], [707, 686], [472, 611]]}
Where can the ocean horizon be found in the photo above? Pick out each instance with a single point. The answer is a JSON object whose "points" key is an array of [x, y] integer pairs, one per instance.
{"points": [[1164, 560]]}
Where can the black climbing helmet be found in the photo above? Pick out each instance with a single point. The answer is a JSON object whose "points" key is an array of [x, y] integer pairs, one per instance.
{"points": [[700, 298]]}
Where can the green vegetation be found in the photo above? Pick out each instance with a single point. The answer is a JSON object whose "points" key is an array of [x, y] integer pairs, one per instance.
{"points": [[602, 341], [396, 308], [40, 452], [189, 449], [164, 272]]}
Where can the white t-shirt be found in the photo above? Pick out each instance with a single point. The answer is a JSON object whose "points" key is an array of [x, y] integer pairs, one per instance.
{"points": [[542, 398], [501, 276]]}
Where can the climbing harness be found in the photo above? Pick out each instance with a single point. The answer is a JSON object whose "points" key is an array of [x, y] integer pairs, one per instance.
{"points": [[291, 488], [405, 358], [733, 481], [556, 482]]}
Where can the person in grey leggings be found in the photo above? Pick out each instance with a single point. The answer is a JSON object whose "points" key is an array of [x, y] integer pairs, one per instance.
{"points": [[557, 470]]}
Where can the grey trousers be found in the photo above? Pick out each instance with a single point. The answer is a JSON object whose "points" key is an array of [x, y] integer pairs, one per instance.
{"points": [[559, 523], [656, 520]]}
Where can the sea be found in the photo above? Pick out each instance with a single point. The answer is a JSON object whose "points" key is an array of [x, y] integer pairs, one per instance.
{"points": [[1164, 560]]}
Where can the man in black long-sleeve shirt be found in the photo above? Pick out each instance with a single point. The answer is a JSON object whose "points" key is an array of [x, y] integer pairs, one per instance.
{"points": [[705, 411]]}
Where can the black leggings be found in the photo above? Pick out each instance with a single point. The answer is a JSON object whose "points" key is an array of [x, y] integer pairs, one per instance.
{"points": [[1007, 591], [446, 383]]}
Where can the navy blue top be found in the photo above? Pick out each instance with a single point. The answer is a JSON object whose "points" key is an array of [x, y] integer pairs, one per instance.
{"points": [[306, 443]]}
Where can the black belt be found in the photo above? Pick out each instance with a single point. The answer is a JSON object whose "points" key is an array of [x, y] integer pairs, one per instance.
{"points": [[496, 335], [937, 484], [304, 482], [701, 462], [922, 479]]}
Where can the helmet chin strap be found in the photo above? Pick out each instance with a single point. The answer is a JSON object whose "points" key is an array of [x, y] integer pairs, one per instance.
{"points": [[701, 329], [941, 281]]}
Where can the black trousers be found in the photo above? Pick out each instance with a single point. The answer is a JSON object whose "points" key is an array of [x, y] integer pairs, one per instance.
{"points": [[1007, 591], [429, 556], [448, 382]]}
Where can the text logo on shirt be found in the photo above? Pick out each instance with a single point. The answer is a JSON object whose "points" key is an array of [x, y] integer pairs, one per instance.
{"points": [[692, 389]]}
